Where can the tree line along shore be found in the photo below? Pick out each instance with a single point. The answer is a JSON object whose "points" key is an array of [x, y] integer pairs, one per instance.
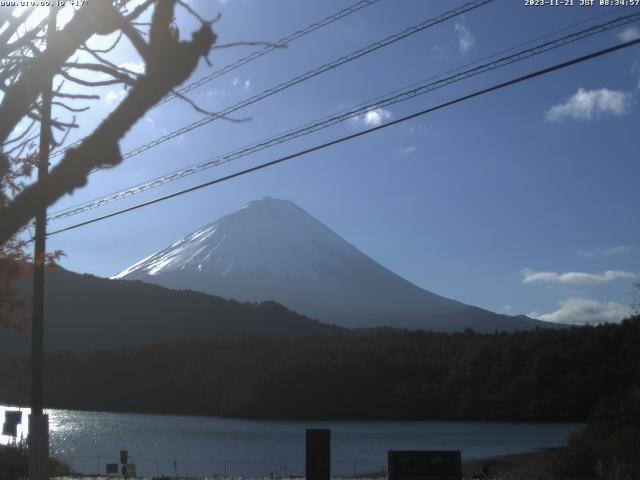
{"points": [[582, 373], [535, 375]]}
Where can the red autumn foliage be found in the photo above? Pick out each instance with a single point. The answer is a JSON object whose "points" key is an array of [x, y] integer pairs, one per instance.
{"points": [[15, 262]]}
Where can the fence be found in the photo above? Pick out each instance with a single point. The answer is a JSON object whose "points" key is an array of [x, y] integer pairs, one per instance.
{"points": [[199, 468]]}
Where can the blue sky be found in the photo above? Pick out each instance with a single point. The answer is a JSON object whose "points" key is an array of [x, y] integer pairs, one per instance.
{"points": [[521, 201]]}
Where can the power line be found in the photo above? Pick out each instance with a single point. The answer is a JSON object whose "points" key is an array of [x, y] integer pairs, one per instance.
{"points": [[345, 138], [283, 42], [402, 95], [305, 76], [270, 48]]}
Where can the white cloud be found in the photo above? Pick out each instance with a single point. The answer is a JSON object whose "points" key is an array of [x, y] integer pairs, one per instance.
{"points": [[591, 104], [419, 128], [408, 150], [629, 34], [576, 278], [216, 92], [135, 67], [581, 311], [620, 249], [506, 308], [465, 39], [373, 118], [635, 71], [114, 96], [607, 252], [439, 50], [236, 81]]}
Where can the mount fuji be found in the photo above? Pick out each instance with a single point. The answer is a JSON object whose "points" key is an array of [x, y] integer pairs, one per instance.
{"points": [[272, 249]]}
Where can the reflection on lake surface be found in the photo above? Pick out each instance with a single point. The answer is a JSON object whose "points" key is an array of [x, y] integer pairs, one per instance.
{"points": [[207, 445]]}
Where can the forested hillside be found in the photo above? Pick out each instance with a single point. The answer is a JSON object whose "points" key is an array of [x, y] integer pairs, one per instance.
{"points": [[85, 312], [531, 375]]}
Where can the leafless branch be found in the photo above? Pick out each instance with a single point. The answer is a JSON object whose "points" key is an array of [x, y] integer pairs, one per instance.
{"points": [[70, 108], [95, 17], [168, 64], [65, 135], [92, 83], [195, 106], [77, 96], [105, 50], [22, 135], [119, 73], [196, 15]]}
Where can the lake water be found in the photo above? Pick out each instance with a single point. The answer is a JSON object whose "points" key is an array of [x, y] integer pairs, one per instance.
{"points": [[207, 446]]}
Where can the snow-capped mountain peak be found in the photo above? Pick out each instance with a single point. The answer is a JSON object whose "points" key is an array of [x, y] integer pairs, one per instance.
{"points": [[272, 249], [268, 234]]}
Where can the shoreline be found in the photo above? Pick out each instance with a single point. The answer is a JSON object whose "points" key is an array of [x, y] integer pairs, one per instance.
{"points": [[534, 465], [531, 465]]}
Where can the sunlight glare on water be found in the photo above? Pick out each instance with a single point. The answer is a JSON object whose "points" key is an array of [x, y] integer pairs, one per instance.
{"points": [[208, 445]]}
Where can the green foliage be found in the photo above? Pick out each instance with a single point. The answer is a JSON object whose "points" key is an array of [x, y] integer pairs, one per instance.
{"points": [[381, 374], [608, 448]]}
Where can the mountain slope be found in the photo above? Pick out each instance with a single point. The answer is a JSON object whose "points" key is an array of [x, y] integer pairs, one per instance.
{"points": [[84, 312], [273, 250]]}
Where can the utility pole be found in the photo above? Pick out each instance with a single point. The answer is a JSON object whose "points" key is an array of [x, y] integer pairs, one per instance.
{"points": [[39, 422]]}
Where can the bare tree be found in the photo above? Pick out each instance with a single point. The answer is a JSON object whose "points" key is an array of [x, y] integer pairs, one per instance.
{"points": [[28, 62]]}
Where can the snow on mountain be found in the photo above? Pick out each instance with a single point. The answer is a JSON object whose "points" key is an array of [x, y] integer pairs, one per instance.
{"points": [[270, 234], [272, 249]]}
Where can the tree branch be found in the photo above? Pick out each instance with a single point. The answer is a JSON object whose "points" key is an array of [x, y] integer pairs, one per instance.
{"points": [[170, 64], [95, 17]]}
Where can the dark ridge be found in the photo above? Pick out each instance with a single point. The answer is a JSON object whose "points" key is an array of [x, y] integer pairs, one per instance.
{"points": [[84, 312]]}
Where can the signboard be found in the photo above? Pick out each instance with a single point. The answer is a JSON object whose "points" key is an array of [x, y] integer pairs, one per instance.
{"points": [[12, 418], [10, 429], [124, 456], [424, 465], [112, 468], [130, 470], [318, 454]]}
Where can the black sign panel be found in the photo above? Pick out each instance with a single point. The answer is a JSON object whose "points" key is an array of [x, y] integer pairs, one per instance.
{"points": [[130, 470], [124, 456], [112, 468], [424, 465], [12, 418], [318, 455], [10, 429]]}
